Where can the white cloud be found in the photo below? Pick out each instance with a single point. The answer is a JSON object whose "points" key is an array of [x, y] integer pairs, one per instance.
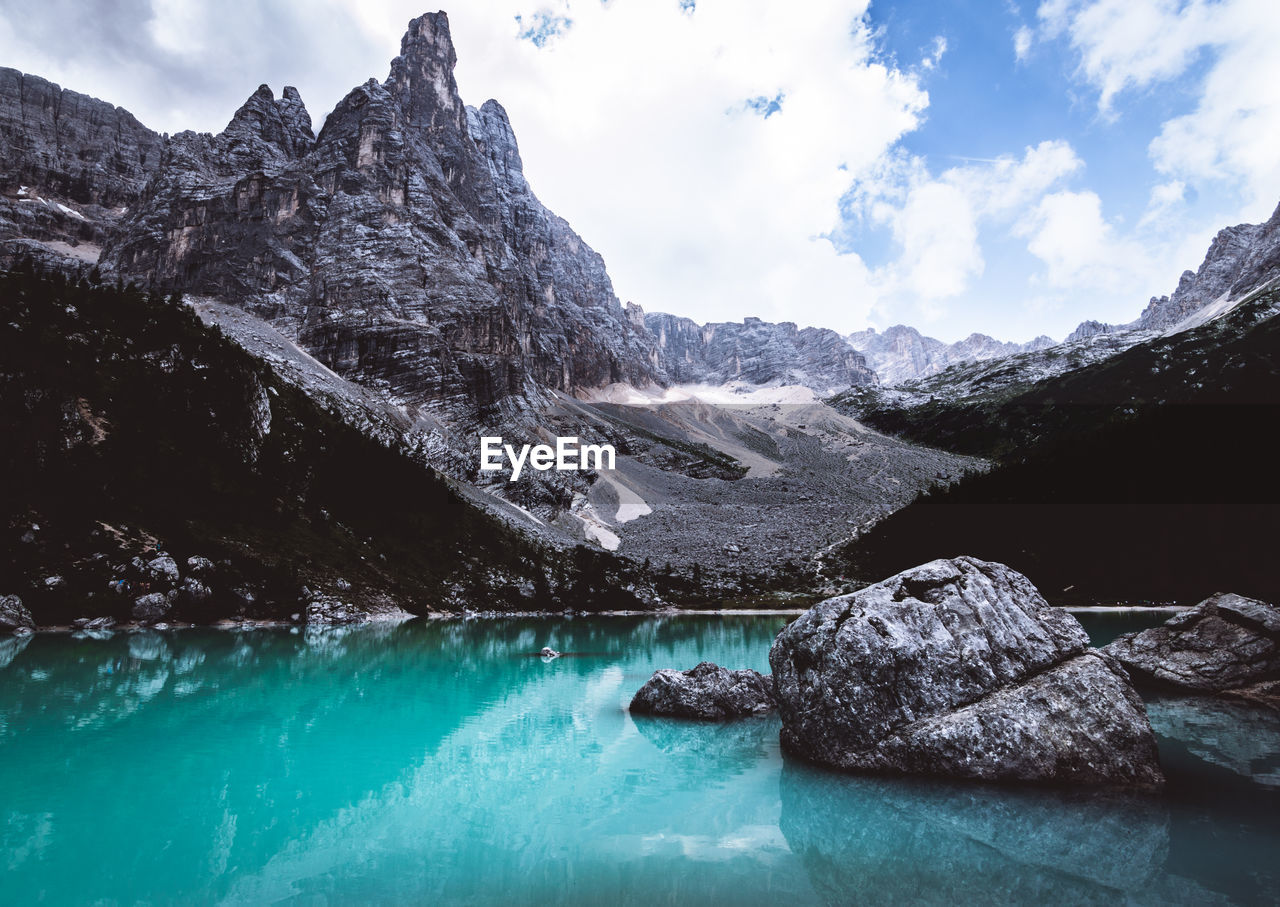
{"points": [[633, 122], [1129, 43], [936, 221], [1166, 198], [934, 57], [1022, 43], [699, 206], [1226, 144], [1084, 253]]}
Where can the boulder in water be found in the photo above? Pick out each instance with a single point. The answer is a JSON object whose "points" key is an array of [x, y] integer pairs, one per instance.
{"points": [[1227, 643], [958, 668], [708, 692]]}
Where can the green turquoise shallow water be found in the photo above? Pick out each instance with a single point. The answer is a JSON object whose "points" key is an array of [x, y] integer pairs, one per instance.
{"points": [[441, 762]]}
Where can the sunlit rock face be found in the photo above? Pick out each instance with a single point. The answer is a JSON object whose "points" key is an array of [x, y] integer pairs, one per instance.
{"points": [[958, 668], [902, 353], [756, 352], [402, 245], [1240, 259]]}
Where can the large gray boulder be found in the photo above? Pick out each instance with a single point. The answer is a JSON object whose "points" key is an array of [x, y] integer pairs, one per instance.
{"points": [[1227, 642], [958, 668], [14, 616], [163, 568], [151, 607], [707, 692]]}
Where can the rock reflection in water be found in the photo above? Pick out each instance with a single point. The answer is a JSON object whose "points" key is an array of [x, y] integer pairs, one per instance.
{"points": [[729, 746], [903, 840], [1241, 737], [10, 647]]}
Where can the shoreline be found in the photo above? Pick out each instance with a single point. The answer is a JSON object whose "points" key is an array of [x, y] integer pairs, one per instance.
{"points": [[278, 624]]}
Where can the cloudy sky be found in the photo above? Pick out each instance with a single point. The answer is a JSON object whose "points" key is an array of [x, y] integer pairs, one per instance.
{"points": [[958, 165]]}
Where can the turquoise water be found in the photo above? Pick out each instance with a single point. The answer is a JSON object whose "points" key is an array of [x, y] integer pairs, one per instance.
{"points": [[441, 762]]}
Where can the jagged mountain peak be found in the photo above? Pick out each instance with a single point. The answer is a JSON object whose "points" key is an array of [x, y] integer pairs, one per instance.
{"points": [[1240, 259], [491, 126], [422, 75], [283, 124]]}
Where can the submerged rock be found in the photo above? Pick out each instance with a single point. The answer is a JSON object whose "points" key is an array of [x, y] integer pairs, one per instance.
{"points": [[14, 616], [1225, 643], [707, 691], [1236, 736], [958, 668]]}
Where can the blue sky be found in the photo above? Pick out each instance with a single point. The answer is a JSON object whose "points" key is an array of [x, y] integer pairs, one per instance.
{"points": [[986, 101], [1006, 167]]}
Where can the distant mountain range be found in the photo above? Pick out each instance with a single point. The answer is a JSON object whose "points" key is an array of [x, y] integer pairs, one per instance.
{"points": [[902, 353]]}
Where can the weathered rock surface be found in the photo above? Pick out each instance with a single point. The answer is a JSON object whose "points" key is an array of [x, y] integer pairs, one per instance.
{"points": [[69, 163], [402, 246], [150, 607], [707, 691], [14, 616], [754, 352], [163, 568], [199, 566], [959, 668], [1226, 642]]}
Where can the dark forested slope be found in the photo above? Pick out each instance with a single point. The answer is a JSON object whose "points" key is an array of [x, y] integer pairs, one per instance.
{"points": [[132, 429], [1149, 476]]}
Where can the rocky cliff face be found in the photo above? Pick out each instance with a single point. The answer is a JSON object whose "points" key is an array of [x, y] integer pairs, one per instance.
{"points": [[902, 353], [402, 245], [1240, 259], [69, 163], [755, 352]]}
